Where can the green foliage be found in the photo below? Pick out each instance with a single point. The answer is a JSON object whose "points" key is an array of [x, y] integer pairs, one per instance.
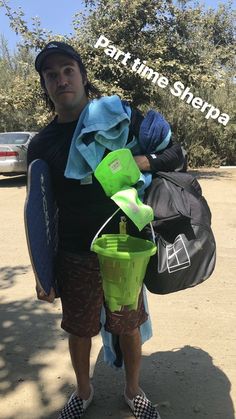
{"points": [[182, 42], [22, 105], [208, 143]]}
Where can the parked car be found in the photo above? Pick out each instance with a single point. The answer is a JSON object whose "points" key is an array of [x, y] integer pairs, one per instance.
{"points": [[13, 152]]}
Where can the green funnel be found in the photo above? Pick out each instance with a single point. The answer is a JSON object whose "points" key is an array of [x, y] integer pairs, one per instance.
{"points": [[128, 200], [117, 170]]}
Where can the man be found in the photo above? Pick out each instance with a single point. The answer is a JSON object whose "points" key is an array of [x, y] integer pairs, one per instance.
{"points": [[83, 207]]}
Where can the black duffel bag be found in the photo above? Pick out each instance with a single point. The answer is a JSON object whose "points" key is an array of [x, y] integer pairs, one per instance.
{"points": [[186, 249]]}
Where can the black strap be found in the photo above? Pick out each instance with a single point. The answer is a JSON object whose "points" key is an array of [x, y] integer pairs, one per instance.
{"points": [[181, 183], [135, 123]]}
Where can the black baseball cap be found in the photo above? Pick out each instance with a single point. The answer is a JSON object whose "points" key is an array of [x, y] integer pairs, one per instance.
{"points": [[56, 47]]}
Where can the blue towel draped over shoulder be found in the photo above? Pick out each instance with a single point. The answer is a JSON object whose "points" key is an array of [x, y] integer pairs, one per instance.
{"points": [[103, 124]]}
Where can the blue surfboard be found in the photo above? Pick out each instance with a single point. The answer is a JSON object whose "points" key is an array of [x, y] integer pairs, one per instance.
{"points": [[41, 224]]}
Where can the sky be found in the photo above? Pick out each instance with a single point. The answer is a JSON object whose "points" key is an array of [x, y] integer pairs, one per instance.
{"points": [[55, 15]]}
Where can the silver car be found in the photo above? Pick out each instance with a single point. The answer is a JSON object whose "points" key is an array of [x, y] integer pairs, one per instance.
{"points": [[13, 152]]}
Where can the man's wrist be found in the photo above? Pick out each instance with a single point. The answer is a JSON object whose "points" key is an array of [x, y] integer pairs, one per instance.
{"points": [[143, 163]]}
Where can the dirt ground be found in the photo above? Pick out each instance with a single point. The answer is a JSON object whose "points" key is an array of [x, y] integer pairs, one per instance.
{"points": [[189, 366]]}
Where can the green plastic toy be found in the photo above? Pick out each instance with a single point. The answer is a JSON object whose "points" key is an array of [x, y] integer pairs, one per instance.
{"points": [[129, 202], [123, 261], [117, 170]]}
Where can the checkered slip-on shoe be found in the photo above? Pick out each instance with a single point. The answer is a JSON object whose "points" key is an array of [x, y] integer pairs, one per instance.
{"points": [[75, 407], [141, 407]]}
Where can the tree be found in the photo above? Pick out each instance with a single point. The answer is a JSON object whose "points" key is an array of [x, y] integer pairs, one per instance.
{"points": [[22, 106], [182, 42]]}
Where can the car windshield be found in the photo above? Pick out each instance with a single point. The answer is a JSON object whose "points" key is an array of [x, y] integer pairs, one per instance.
{"points": [[13, 138]]}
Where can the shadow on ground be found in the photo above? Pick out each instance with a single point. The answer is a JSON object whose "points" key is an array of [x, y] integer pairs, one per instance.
{"points": [[183, 382], [8, 275], [218, 174], [29, 332], [13, 181], [25, 329]]}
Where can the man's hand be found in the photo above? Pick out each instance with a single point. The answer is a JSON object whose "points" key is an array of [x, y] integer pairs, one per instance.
{"points": [[143, 163], [41, 294]]}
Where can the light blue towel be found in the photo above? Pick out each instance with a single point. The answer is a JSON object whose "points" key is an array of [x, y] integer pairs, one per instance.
{"points": [[144, 181], [103, 124], [111, 350]]}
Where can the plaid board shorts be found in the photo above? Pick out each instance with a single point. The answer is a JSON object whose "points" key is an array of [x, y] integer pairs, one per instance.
{"points": [[80, 286]]}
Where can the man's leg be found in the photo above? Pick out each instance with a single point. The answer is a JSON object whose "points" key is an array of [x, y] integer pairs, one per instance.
{"points": [[135, 398], [125, 324], [82, 298], [80, 357], [130, 345]]}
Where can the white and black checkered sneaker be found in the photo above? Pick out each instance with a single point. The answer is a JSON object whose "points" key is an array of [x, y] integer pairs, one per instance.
{"points": [[75, 407], [141, 407]]}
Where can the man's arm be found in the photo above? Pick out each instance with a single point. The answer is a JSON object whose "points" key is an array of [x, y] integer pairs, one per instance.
{"points": [[143, 163], [33, 152], [168, 160]]}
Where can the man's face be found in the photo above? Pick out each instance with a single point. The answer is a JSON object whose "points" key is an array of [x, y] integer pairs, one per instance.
{"points": [[63, 83]]}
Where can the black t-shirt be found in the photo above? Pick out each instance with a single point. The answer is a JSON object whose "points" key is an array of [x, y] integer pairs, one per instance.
{"points": [[82, 208]]}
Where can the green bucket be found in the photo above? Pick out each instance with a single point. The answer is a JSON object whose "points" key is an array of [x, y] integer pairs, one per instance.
{"points": [[123, 261]]}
